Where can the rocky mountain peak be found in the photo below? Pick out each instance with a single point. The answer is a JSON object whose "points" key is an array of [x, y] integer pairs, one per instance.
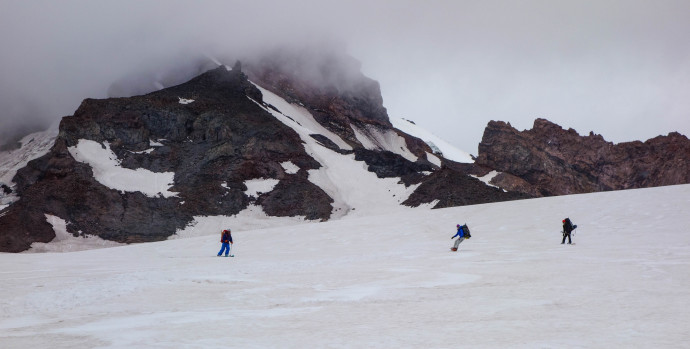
{"points": [[549, 160]]}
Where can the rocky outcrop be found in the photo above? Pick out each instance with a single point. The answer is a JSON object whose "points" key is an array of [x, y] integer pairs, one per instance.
{"points": [[451, 188], [212, 144], [549, 160]]}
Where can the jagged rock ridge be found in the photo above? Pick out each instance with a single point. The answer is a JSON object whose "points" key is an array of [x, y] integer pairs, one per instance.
{"points": [[549, 160]]}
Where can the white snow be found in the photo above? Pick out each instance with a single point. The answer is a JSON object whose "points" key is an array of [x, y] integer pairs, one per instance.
{"points": [[374, 139], [32, 147], [487, 178], [260, 185], [185, 101], [433, 159], [356, 191], [449, 151], [305, 121], [107, 171], [289, 167], [249, 219], [66, 242], [386, 281]]}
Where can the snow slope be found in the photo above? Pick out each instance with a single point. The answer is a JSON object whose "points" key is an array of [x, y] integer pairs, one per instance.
{"points": [[386, 281], [32, 147], [355, 190], [449, 151]]}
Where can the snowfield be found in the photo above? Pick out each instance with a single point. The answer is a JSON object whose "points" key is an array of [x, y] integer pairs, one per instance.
{"points": [[385, 281]]}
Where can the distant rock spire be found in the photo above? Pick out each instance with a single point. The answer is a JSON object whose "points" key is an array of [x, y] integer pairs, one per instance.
{"points": [[238, 66]]}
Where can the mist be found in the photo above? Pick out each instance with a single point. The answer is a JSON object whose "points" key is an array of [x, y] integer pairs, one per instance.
{"points": [[618, 68]]}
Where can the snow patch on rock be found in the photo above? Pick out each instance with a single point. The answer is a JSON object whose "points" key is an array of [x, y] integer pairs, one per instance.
{"points": [[374, 139], [66, 242], [487, 178], [32, 147], [289, 167], [449, 151], [107, 171], [299, 115], [260, 185], [433, 159]]}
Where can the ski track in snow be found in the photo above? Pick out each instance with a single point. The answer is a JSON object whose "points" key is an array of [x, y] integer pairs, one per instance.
{"points": [[385, 281]]}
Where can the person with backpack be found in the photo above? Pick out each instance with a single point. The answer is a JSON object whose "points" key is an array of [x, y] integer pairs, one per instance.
{"points": [[226, 241], [568, 228], [463, 232]]}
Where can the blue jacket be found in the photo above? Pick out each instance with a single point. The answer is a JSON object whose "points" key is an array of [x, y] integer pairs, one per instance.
{"points": [[460, 233]]}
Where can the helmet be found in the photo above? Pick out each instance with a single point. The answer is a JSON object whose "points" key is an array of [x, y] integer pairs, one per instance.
{"points": [[457, 225]]}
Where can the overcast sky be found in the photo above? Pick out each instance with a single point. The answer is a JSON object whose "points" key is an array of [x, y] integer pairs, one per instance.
{"points": [[618, 68]]}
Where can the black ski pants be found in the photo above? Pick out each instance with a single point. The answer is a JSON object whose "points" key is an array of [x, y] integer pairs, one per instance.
{"points": [[564, 235]]}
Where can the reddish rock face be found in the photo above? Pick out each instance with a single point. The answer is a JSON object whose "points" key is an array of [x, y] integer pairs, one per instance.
{"points": [[548, 160]]}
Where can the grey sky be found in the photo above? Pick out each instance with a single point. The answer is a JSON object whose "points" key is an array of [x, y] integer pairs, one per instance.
{"points": [[618, 68]]}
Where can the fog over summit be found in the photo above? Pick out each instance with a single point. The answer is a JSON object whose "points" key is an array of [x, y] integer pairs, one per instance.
{"points": [[618, 68]]}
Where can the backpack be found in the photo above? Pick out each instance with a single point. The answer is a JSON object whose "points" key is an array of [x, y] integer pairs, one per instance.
{"points": [[569, 227], [466, 230], [224, 235]]}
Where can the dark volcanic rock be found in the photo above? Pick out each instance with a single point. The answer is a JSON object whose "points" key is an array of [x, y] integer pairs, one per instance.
{"points": [[212, 144], [296, 196], [453, 188], [387, 164], [326, 142], [548, 160]]}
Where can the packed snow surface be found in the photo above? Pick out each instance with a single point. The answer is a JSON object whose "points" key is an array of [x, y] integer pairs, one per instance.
{"points": [[449, 151], [386, 281]]}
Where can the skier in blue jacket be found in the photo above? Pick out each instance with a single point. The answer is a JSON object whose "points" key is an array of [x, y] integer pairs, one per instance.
{"points": [[226, 240], [461, 236]]}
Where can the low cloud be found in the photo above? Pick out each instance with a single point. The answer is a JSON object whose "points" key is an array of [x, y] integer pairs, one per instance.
{"points": [[619, 68]]}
